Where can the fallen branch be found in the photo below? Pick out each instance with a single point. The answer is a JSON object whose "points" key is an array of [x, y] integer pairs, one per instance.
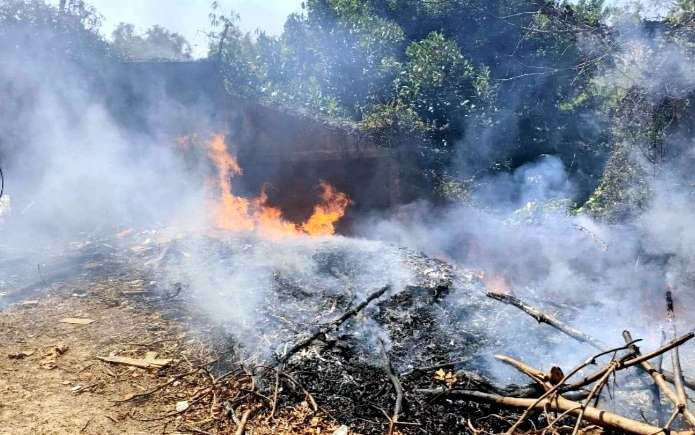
{"points": [[541, 317], [561, 404], [659, 380], [675, 358], [143, 363], [538, 376], [572, 332], [393, 420], [334, 325], [556, 387], [244, 419], [673, 344], [275, 393], [595, 392]]}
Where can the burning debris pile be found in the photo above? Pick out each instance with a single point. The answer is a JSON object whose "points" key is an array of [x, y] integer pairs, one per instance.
{"points": [[337, 334]]}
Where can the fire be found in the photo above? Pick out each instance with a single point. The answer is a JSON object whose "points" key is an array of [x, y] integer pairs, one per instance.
{"points": [[327, 213], [235, 213], [496, 283]]}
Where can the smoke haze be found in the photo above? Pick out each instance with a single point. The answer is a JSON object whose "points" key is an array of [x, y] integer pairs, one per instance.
{"points": [[75, 170]]}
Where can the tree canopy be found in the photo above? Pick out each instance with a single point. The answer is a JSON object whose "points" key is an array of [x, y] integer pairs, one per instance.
{"points": [[157, 43], [489, 83]]}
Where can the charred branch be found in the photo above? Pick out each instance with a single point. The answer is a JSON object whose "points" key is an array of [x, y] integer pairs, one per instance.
{"points": [[542, 317], [332, 326], [393, 420]]}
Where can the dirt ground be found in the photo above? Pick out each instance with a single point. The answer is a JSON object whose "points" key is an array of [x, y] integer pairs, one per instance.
{"points": [[99, 302], [53, 382], [50, 379]]}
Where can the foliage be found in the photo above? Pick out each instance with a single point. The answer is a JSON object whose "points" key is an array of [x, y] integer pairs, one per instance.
{"points": [[33, 28], [478, 81], [158, 43], [44, 46]]}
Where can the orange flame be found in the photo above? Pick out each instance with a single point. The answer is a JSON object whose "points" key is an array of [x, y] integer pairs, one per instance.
{"points": [[331, 210], [235, 213]]}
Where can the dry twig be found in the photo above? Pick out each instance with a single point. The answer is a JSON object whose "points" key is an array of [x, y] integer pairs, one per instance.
{"points": [[659, 380], [393, 420], [561, 404], [590, 360], [306, 392], [166, 384], [594, 392], [574, 333]]}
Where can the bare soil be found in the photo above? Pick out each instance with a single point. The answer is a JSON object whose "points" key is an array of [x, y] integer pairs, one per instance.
{"points": [[48, 392], [51, 381]]}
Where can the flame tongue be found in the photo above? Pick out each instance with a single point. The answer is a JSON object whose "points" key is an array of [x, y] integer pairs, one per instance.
{"points": [[235, 213], [331, 210]]}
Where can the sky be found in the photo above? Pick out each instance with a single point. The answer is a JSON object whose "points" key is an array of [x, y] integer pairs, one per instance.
{"points": [[190, 17]]}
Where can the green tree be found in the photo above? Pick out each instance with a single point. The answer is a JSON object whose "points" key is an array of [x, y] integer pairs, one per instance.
{"points": [[158, 43], [485, 84]]}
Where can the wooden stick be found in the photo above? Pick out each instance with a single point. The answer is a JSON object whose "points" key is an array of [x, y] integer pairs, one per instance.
{"points": [[538, 376], [687, 380], [572, 332], [673, 344], [587, 380], [674, 414], [242, 423], [556, 387], [637, 359], [541, 317], [396, 386], [659, 379], [306, 392], [322, 330], [560, 404], [675, 358], [275, 393], [443, 391], [594, 392], [656, 393]]}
